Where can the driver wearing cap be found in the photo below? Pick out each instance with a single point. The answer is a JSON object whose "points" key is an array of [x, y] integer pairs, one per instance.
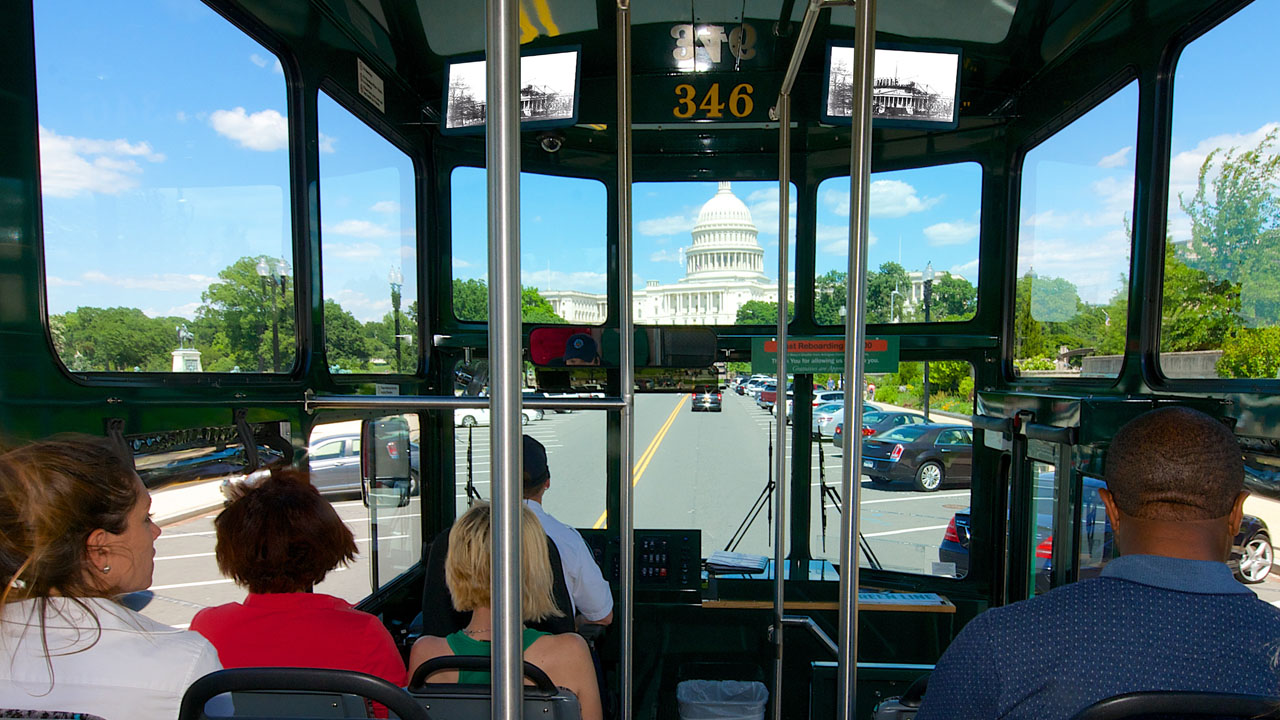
{"points": [[589, 591]]}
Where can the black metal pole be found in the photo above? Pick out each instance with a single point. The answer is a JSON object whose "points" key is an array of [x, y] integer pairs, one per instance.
{"points": [[262, 364], [275, 328], [395, 309]]}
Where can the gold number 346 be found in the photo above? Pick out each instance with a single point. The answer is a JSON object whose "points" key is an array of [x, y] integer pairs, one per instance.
{"points": [[739, 105]]}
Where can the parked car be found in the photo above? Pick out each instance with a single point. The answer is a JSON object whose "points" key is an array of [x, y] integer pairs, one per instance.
{"points": [[470, 417], [822, 397], [928, 454], [1252, 556], [766, 395], [876, 421], [705, 397], [335, 464], [825, 419]]}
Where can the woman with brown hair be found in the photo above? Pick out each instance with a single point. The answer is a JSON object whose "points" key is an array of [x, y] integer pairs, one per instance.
{"points": [[75, 532], [279, 539], [564, 658]]}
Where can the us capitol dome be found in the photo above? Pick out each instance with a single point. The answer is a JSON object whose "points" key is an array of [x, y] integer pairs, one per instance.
{"points": [[724, 269]]}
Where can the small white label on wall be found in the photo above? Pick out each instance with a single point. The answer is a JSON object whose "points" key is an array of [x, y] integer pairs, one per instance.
{"points": [[386, 389], [370, 86]]}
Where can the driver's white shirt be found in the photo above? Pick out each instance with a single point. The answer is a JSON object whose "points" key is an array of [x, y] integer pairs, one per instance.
{"points": [[588, 589], [135, 669]]}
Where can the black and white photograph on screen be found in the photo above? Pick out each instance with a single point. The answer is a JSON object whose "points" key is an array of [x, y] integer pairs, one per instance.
{"points": [[909, 85], [547, 85]]}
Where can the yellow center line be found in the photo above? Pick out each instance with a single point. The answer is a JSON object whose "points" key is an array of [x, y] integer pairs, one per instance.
{"points": [[649, 452]]}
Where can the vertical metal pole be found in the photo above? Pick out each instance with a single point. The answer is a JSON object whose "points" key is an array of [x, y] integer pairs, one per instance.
{"points": [[855, 339], [626, 363], [502, 155], [780, 400]]}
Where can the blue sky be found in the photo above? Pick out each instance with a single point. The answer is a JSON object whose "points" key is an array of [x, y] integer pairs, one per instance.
{"points": [[164, 160]]}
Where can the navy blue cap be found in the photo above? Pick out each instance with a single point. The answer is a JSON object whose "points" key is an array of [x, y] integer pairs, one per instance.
{"points": [[535, 462]]}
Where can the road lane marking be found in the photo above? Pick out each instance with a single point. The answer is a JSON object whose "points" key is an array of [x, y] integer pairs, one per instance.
{"points": [[172, 535], [649, 452], [183, 557], [202, 583], [903, 532]]}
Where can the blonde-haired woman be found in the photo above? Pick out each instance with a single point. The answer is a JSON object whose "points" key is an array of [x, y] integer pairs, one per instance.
{"points": [[565, 658]]}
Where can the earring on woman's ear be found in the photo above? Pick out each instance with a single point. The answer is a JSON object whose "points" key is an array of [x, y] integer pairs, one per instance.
{"points": [[106, 569]]}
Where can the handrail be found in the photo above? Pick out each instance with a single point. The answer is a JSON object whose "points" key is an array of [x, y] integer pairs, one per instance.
{"points": [[444, 402], [855, 334], [807, 622], [1032, 431], [626, 362], [502, 158]]}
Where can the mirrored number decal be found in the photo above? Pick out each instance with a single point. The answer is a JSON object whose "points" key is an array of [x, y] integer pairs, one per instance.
{"points": [[740, 104], [742, 42], [685, 107], [683, 35]]}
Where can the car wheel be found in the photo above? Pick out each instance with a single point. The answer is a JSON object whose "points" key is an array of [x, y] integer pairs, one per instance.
{"points": [[468, 421], [929, 477], [1257, 560], [415, 487], [524, 419]]}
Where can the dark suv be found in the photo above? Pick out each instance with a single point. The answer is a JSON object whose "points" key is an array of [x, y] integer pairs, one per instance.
{"points": [[705, 397]]}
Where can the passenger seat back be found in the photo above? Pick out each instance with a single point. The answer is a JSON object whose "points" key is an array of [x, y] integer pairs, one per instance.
{"points": [[542, 700]]}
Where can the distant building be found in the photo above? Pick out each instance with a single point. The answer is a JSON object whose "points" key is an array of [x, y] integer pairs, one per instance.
{"points": [[724, 270]]}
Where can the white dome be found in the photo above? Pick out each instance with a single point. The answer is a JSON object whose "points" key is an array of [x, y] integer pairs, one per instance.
{"points": [[725, 209]]}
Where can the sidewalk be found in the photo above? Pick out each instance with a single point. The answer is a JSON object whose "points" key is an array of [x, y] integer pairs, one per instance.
{"points": [[179, 502]]}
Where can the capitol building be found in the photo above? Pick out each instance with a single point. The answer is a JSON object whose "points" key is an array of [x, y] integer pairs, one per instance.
{"points": [[724, 270]]}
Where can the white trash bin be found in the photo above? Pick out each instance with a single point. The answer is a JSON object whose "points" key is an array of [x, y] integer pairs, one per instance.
{"points": [[721, 700]]}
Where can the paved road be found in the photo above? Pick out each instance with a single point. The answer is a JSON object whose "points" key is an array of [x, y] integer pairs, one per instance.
{"points": [[693, 470]]}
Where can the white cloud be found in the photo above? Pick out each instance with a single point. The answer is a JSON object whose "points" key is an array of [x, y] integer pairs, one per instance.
{"points": [[1119, 158], [951, 233], [55, 281], [665, 255], [968, 271], [70, 165], [834, 239], [582, 280], [1093, 264], [351, 251], [163, 282], [266, 130], [361, 306], [888, 198], [1047, 219], [182, 116], [460, 263], [386, 206], [187, 311], [264, 62], [328, 143], [671, 225], [359, 229]]}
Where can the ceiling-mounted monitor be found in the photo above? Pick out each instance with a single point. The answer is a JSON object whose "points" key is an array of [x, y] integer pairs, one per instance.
{"points": [[549, 82], [914, 86]]}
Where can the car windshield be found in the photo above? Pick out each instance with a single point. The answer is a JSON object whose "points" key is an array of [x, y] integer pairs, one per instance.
{"points": [[872, 417], [906, 433], [703, 389], [830, 407]]}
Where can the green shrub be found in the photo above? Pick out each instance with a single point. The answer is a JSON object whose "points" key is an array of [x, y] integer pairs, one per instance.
{"points": [[1251, 353], [1035, 363]]}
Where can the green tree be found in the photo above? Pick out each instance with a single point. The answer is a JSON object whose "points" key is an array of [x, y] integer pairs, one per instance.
{"points": [[380, 339], [759, 312], [1028, 334], [1235, 226], [1197, 313], [883, 304], [115, 339], [830, 293], [471, 302], [236, 317], [1053, 299], [345, 344], [954, 298], [1251, 353]]}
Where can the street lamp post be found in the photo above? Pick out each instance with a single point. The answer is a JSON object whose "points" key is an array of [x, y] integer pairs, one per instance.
{"points": [[265, 271], [397, 281], [283, 269], [844, 312], [928, 302]]}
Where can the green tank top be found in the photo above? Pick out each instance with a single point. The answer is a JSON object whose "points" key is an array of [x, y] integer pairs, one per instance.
{"points": [[462, 644]]}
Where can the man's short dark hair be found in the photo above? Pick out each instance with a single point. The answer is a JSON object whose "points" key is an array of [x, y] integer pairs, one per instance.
{"points": [[536, 471], [1175, 463], [280, 535]]}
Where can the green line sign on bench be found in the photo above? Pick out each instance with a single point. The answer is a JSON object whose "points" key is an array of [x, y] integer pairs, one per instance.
{"points": [[808, 355]]}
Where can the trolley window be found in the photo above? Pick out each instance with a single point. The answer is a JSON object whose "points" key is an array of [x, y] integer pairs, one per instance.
{"points": [[924, 235], [1221, 309], [1074, 242], [368, 249], [161, 198]]}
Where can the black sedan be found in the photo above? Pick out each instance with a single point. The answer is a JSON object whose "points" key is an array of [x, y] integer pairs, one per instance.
{"points": [[928, 454]]}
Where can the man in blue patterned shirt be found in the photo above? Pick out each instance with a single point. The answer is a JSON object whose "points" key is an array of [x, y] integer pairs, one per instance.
{"points": [[1166, 615]]}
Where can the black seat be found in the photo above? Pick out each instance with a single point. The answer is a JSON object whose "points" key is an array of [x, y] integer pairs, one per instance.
{"points": [[440, 619], [1182, 705], [274, 693], [45, 714], [542, 700]]}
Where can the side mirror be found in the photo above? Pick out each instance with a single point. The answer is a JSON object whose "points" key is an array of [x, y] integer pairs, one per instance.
{"points": [[386, 468]]}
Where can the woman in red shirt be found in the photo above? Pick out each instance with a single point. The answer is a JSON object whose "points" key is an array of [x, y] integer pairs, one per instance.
{"points": [[278, 539]]}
